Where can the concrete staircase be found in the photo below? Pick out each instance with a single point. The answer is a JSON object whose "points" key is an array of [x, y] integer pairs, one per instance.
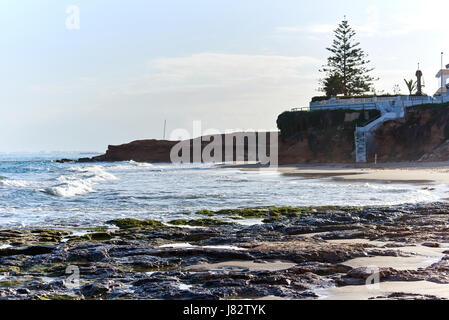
{"points": [[360, 145], [361, 134]]}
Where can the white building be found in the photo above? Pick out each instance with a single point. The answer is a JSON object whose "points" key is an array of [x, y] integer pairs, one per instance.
{"points": [[443, 75]]}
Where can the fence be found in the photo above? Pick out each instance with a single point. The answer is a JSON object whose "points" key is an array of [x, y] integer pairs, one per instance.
{"points": [[376, 102]]}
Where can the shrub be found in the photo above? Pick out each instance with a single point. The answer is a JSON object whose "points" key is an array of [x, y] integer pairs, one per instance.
{"points": [[291, 123]]}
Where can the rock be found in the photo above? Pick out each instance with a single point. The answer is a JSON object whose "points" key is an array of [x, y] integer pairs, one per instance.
{"points": [[133, 266], [97, 289], [422, 132], [440, 153], [23, 291], [95, 254], [7, 292], [431, 244], [321, 269], [158, 151], [408, 296], [28, 251], [66, 161]]}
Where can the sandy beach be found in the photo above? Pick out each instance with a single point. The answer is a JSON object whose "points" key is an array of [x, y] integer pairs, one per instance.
{"points": [[416, 173]]}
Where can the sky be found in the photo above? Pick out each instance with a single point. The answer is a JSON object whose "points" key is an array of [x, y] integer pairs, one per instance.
{"points": [[127, 66]]}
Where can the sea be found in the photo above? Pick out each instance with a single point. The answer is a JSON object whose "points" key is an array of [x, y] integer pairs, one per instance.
{"points": [[36, 191]]}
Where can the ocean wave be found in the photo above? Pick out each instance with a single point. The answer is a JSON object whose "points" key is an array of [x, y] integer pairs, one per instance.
{"points": [[132, 165], [234, 180], [69, 189], [185, 197], [79, 183], [14, 183], [96, 173], [160, 167], [141, 164]]}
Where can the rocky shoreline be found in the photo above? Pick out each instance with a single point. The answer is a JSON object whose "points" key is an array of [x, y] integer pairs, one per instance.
{"points": [[296, 253]]}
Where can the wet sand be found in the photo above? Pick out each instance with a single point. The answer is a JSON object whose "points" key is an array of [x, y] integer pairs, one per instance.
{"points": [[385, 289], [415, 173], [422, 257], [245, 265]]}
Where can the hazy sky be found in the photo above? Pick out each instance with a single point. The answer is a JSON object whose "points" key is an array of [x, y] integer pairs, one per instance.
{"points": [[232, 64]]}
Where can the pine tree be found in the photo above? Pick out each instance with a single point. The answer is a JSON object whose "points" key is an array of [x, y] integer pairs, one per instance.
{"points": [[333, 85], [348, 63]]}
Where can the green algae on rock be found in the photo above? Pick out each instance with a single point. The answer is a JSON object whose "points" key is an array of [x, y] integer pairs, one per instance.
{"points": [[47, 269], [10, 283], [273, 213], [8, 270], [32, 236], [57, 297], [97, 236], [199, 222], [129, 223]]}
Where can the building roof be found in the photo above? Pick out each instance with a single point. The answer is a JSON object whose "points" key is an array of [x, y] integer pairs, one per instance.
{"points": [[444, 72]]}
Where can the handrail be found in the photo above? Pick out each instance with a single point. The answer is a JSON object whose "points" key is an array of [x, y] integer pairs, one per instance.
{"points": [[374, 99], [300, 109], [367, 122]]}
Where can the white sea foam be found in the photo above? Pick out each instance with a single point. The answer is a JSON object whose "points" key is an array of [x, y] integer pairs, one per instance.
{"points": [[141, 164], [132, 165], [14, 183], [79, 183], [96, 173], [70, 189]]}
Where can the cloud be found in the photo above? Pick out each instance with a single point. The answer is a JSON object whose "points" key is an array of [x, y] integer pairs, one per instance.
{"points": [[217, 71], [373, 23], [369, 27], [312, 29], [422, 16]]}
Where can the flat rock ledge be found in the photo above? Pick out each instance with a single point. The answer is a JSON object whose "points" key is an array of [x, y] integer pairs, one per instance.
{"points": [[290, 258]]}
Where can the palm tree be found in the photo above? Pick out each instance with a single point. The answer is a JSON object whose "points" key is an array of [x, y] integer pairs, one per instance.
{"points": [[411, 85]]}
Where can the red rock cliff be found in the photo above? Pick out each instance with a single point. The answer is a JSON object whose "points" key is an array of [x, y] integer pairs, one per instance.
{"points": [[326, 137], [422, 135]]}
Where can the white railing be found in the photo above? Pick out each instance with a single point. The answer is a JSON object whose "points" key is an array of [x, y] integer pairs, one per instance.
{"points": [[353, 106], [375, 102], [317, 103], [383, 99], [353, 100], [300, 109]]}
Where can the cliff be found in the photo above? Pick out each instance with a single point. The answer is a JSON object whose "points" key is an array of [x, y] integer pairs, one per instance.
{"points": [[141, 151], [421, 136], [328, 136], [321, 137], [158, 151]]}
